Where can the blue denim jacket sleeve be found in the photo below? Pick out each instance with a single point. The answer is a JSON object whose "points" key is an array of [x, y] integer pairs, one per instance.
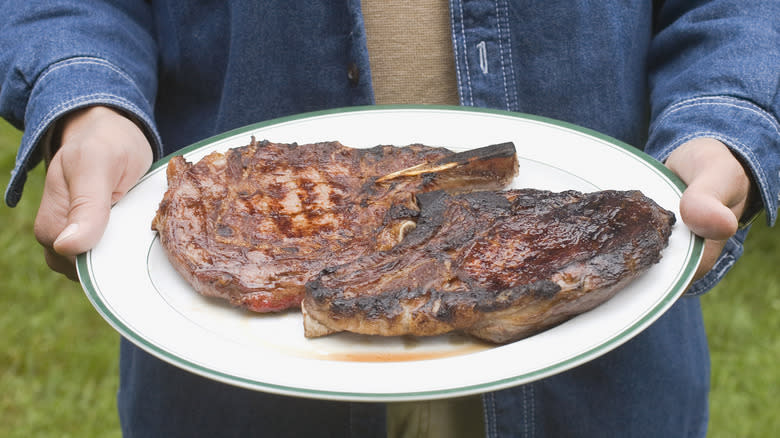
{"points": [[715, 72], [59, 56]]}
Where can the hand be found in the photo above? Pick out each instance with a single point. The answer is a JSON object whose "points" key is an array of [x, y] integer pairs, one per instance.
{"points": [[102, 154], [717, 193]]}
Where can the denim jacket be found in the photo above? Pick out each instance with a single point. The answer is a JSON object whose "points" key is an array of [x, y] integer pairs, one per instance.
{"points": [[652, 74]]}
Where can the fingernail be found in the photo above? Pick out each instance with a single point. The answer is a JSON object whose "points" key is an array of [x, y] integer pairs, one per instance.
{"points": [[67, 232]]}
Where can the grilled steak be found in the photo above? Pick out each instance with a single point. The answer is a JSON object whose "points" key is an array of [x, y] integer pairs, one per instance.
{"points": [[497, 265], [254, 224]]}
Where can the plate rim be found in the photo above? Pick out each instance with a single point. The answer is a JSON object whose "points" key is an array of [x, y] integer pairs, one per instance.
{"points": [[695, 251]]}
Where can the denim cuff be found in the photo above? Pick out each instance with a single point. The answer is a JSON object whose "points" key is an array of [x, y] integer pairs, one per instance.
{"points": [[68, 85], [750, 132]]}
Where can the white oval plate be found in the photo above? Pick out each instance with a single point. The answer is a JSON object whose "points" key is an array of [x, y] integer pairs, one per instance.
{"points": [[128, 279]]}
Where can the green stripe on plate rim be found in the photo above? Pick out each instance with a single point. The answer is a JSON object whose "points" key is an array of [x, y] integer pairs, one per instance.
{"points": [[695, 249]]}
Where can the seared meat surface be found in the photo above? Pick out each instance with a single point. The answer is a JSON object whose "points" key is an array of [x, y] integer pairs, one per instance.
{"points": [[497, 265], [254, 224]]}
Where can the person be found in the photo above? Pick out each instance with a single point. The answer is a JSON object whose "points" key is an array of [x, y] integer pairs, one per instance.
{"points": [[103, 88]]}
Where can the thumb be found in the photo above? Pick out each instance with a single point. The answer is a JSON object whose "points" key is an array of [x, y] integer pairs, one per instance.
{"points": [[90, 206], [705, 212], [717, 191]]}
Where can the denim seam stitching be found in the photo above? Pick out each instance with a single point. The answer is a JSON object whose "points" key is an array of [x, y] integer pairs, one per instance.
{"points": [[724, 265], [512, 102], [72, 103], [465, 55], [720, 100], [489, 405], [533, 410], [525, 411], [86, 60], [501, 54], [455, 46]]}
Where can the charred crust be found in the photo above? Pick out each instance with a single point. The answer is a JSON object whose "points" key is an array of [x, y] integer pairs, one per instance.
{"points": [[457, 241], [400, 211], [368, 188], [488, 201], [317, 291], [446, 307], [432, 205], [377, 152], [498, 301], [429, 219], [445, 313], [492, 301], [427, 179], [544, 289], [500, 150], [329, 270], [369, 307]]}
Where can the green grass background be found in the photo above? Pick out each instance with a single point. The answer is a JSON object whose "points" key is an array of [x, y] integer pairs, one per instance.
{"points": [[58, 358]]}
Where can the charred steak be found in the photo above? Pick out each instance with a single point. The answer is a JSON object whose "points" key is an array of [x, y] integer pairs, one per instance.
{"points": [[497, 265], [254, 224]]}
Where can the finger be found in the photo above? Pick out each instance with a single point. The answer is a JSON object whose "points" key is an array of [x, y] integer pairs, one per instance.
{"points": [[52, 214], [717, 189], [712, 250], [62, 264], [51, 219]]}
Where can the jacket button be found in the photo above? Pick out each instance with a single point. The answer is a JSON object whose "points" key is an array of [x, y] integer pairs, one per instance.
{"points": [[353, 74]]}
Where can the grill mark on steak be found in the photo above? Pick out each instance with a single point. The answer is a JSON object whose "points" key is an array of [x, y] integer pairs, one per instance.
{"points": [[497, 265], [253, 224]]}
